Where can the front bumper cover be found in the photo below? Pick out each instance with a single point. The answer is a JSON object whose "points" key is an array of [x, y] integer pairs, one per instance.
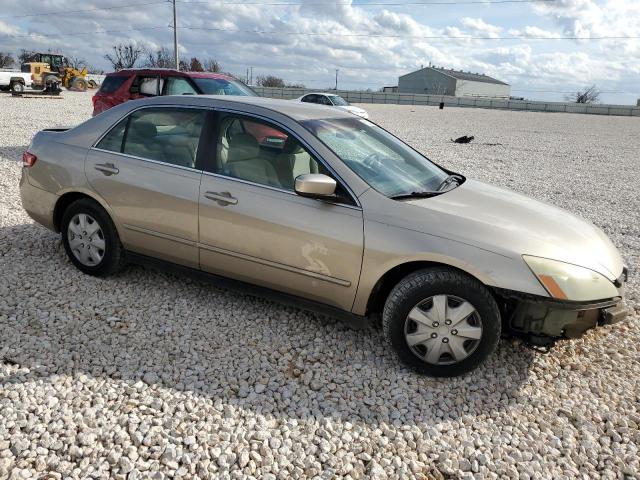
{"points": [[543, 317]]}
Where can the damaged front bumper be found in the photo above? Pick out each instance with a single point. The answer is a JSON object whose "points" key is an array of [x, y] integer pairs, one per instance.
{"points": [[541, 321]]}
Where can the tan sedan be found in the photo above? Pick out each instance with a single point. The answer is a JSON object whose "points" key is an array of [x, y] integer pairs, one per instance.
{"points": [[330, 212]]}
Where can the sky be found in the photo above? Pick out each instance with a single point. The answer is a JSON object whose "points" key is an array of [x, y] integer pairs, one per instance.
{"points": [[369, 42]]}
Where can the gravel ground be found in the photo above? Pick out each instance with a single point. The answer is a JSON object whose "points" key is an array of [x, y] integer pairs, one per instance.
{"points": [[148, 375]]}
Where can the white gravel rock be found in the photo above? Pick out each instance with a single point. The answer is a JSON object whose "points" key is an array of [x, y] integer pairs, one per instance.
{"points": [[148, 375]]}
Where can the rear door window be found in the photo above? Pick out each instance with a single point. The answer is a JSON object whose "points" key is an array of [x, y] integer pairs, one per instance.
{"points": [[112, 83], [168, 135], [310, 98], [148, 86], [112, 141]]}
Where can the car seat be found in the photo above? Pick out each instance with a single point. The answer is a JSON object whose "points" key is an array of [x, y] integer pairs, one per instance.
{"points": [[244, 162], [292, 162]]}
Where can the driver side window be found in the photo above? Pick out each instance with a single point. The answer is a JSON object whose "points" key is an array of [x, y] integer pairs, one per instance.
{"points": [[258, 152]]}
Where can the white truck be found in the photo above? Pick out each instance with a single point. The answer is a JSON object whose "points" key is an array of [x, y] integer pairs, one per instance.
{"points": [[14, 80]]}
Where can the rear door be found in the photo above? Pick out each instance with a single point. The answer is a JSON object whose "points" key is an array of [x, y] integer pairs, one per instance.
{"points": [[147, 169], [255, 228]]}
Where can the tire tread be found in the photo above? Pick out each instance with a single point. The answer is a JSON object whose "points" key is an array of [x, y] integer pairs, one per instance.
{"points": [[434, 276]]}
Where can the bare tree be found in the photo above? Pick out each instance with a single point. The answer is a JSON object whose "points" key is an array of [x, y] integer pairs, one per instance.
{"points": [[6, 60], [211, 65], [125, 55], [587, 95], [161, 58], [270, 81], [195, 65], [94, 70], [25, 55], [76, 62]]}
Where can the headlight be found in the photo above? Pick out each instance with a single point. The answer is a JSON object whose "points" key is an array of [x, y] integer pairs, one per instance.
{"points": [[565, 281]]}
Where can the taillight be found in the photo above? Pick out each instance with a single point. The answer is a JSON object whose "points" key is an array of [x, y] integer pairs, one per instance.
{"points": [[32, 77], [28, 159]]}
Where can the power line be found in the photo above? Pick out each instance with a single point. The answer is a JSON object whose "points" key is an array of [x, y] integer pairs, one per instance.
{"points": [[424, 37], [374, 4], [51, 36], [354, 35], [66, 12]]}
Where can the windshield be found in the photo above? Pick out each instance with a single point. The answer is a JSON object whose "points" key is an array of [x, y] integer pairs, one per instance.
{"points": [[220, 86], [338, 101], [376, 156]]}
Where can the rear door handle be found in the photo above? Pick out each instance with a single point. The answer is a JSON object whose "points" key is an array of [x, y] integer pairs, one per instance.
{"points": [[222, 198], [107, 168]]}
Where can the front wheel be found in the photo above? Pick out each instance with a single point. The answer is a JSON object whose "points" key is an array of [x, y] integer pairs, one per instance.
{"points": [[441, 322], [17, 87], [78, 84], [90, 239]]}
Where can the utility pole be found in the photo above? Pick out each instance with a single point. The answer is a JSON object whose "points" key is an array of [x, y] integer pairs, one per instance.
{"points": [[175, 35], [251, 77], [337, 79]]}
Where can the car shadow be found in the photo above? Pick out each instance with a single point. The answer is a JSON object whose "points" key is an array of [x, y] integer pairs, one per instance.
{"points": [[12, 153], [144, 326]]}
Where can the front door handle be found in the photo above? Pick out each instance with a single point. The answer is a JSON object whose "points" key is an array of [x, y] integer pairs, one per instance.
{"points": [[222, 198], [107, 168]]}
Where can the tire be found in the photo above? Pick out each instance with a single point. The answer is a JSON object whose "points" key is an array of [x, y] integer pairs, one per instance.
{"points": [[79, 84], [17, 87], [424, 290], [100, 262]]}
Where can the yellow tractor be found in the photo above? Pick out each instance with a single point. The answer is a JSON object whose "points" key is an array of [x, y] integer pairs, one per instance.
{"points": [[47, 69]]}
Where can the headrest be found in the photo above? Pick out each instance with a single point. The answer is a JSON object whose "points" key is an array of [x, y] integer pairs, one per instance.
{"points": [[242, 146], [142, 129]]}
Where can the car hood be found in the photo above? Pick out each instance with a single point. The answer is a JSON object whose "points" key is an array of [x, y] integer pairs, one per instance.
{"points": [[511, 224]]}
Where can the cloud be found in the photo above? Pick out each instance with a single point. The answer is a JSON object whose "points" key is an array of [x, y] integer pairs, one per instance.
{"points": [[8, 29], [350, 38], [479, 27]]}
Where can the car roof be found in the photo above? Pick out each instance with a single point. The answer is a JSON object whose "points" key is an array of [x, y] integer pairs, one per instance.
{"points": [[148, 71], [322, 93], [298, 111]]}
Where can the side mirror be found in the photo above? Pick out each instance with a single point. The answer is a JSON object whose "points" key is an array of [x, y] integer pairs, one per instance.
{"points": [[315, 185]]}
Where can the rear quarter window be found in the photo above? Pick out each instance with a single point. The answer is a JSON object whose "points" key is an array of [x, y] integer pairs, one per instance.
{"points": [[112, 83]]}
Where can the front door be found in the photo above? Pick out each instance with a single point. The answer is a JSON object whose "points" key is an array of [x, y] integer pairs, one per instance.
{"points": [[145, 169], [254, 228]]}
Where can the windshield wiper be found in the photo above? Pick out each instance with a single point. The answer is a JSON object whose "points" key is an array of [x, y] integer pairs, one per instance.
{"points": [[449, 180], [425, 194]]}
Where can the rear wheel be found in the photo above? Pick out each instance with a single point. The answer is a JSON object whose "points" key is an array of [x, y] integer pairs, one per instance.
{"points": [[51, 78], [90, 239], [441, 322]]}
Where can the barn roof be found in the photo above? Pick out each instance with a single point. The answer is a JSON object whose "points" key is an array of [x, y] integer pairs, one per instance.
{"points": [[461, 75]]}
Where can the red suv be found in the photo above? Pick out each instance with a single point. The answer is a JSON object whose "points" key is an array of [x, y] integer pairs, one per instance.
{"points": [[119, 87]]}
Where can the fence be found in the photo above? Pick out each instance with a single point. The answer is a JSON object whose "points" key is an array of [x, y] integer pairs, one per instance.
{"points": [[471, 102]]}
